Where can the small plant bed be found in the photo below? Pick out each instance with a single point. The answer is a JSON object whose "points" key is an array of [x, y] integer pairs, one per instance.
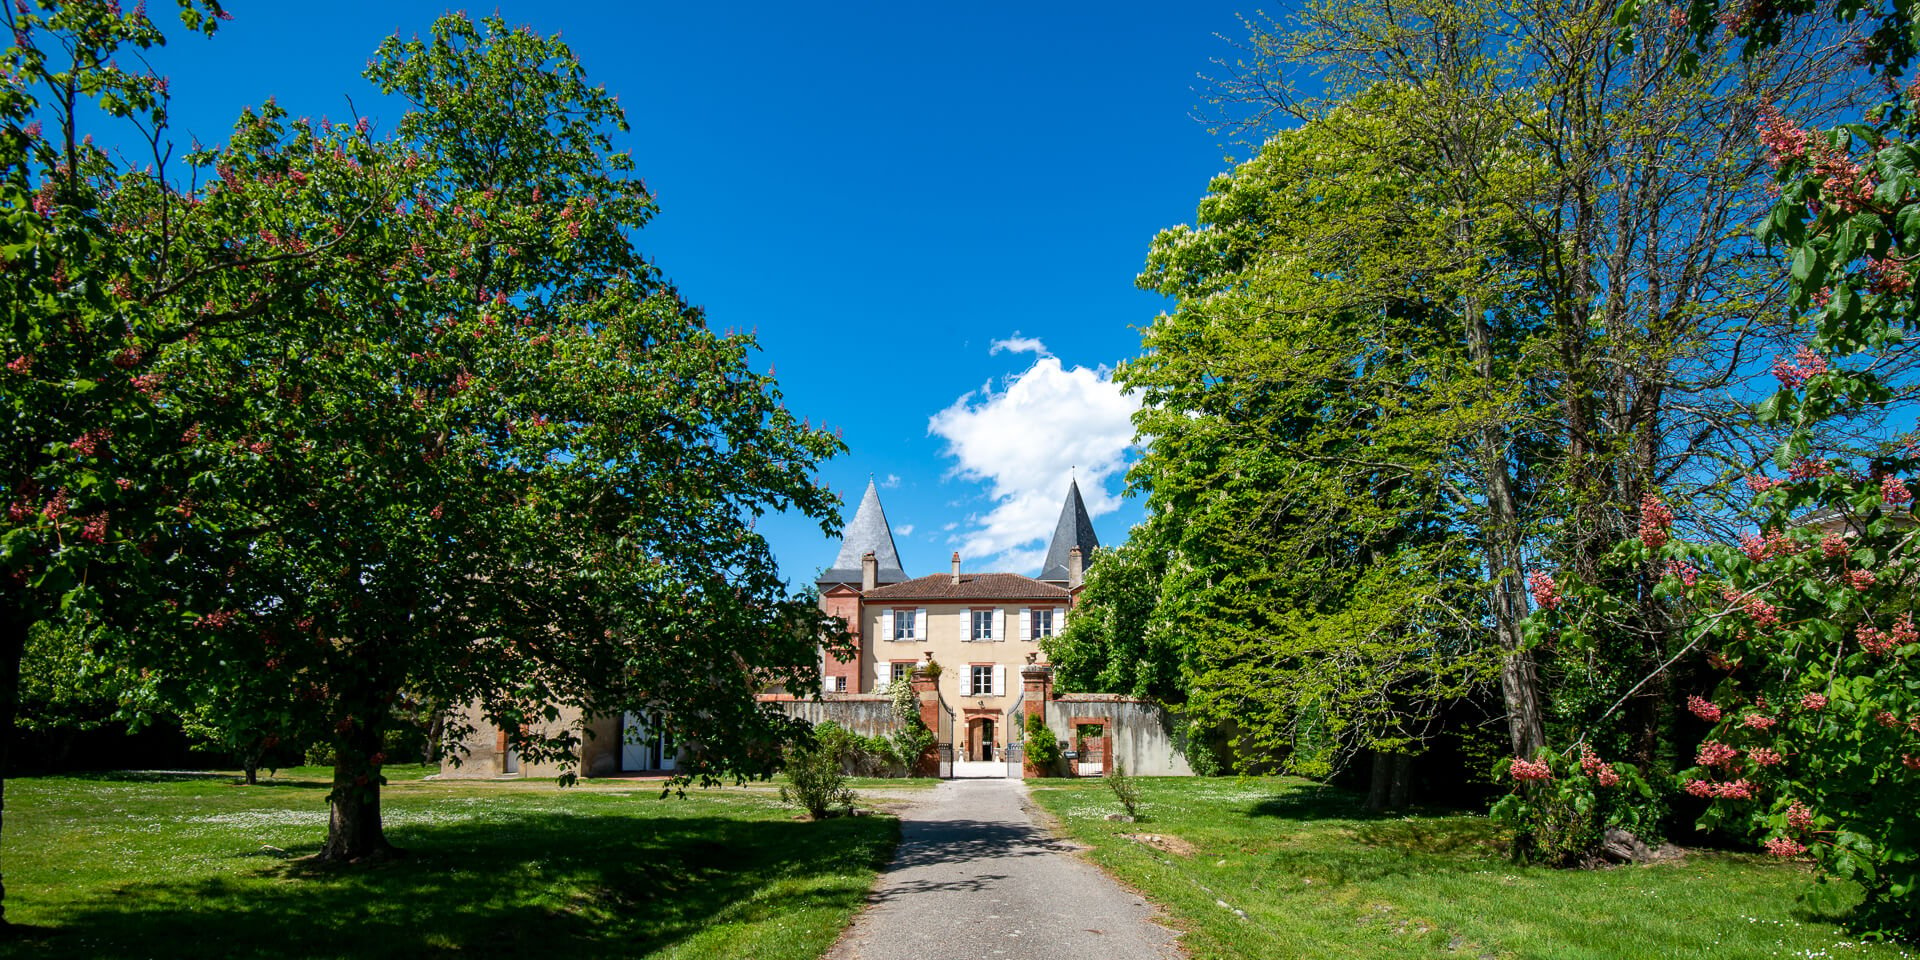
{"points": [[1282, 867], [195, 865]]}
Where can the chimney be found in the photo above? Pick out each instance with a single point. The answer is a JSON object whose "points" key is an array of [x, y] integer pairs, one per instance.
{"points": [[956, 566], [1074, 568], [869, 572]]}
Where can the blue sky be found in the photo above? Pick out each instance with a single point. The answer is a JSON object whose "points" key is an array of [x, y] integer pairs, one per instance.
{"points": [[931, 215]]}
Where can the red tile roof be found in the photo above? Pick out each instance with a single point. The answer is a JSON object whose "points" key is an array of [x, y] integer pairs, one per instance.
{"points": [[972, 586]]}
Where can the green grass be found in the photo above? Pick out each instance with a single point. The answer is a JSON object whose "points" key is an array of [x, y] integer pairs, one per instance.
{"points": [[194, 865], [1317, 878]]}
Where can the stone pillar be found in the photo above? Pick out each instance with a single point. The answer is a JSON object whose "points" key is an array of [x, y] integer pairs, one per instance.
{"points": [[926, 690], [1037, 680]]}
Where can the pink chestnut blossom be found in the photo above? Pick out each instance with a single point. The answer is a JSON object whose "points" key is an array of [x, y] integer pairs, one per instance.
{"points": [[1546, 593], [1785, 847], [1805, 365], [1527, 771]]}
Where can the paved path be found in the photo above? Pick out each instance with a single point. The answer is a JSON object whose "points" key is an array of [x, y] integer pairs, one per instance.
{"points": [[975, 879]]}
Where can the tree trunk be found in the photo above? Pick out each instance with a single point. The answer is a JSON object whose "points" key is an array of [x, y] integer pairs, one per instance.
{"points": [[250, 763], [354, 831], [1377, 788], [1402, 781], [1519, 680]]}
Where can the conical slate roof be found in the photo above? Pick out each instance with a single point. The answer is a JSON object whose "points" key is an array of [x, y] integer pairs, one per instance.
{"points": [[1075, 529], [868, 533]]}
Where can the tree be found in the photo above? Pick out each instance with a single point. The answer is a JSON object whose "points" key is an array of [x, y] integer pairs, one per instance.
{"points": [[1113, 643], [80, 445], [1807, 625], [1627, 259], [489, 457], [1310, 399]]}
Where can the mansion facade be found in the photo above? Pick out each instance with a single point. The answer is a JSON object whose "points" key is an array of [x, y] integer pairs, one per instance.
{"points": [[980, 627]]}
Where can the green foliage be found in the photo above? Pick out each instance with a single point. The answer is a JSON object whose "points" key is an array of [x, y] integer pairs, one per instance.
{"points": [[444, 433], [866, 756], [815, 780], [1309, 408], [906, 745], [1806, 628], [63, 687], [1114, 643], [1042, 750], [1560, 809]]}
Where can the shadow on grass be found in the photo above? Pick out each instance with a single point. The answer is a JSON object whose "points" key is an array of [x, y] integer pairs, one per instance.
{"points": [[539, 884], [1435, 836], [1313, 801], [144, 776]]}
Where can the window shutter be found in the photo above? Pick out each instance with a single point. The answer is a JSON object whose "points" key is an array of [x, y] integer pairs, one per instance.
{"points": [[886, 625], [999, 680], [999, 624], [882, 675], [1026, 624], [1059, 620], [920, 624]]}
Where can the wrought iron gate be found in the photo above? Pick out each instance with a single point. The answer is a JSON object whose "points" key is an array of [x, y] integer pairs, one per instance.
{"points": [[943, 738]]}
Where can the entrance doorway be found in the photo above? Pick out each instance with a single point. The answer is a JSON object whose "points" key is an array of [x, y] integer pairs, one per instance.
{"points": [[980, 740], [978, 753], [644, 746]]}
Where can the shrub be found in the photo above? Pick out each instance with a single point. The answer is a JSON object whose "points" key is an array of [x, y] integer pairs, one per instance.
{"points": [[1125, 789], [1561, 809], [815, 781], [1043, 751]]}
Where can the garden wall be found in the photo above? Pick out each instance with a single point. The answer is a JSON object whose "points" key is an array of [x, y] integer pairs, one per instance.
{"points": [[867, 714], [1141, 731]]}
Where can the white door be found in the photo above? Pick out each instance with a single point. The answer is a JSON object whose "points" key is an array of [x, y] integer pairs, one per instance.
{"points": [[633, 743], [642, 747]]}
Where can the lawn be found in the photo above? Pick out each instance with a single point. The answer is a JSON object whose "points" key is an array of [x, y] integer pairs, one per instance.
{"points": [[194, 865], [1315, 877]]}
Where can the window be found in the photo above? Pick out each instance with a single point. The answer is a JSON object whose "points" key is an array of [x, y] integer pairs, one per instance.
{"points": [[902, 669], [833, 685], [906, 625], [1042, 623], [982, 625], [982, 677]]}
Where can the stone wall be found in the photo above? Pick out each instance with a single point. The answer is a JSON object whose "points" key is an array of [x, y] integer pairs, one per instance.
{"points": [[867, 714], [484, 752], [1141, 732]]}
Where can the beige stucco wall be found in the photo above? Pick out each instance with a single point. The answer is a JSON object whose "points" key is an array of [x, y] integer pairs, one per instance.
{"points": [[945, 632], [480, 756]]}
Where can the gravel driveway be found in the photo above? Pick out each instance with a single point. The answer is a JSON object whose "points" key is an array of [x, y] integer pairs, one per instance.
{"points": [[975, 878]]}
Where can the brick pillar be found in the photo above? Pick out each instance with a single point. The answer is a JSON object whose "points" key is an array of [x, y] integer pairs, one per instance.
{"points": [[926, 689], [1037, 679]]}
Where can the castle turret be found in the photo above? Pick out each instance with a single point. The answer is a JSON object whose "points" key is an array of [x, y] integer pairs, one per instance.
{"points": [[867, 534], [1075, 529]]}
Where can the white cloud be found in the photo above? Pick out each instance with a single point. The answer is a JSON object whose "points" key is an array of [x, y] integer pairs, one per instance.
{"points": [[905, 529], [1018, 344], [1023, 442], [890, 481]]}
